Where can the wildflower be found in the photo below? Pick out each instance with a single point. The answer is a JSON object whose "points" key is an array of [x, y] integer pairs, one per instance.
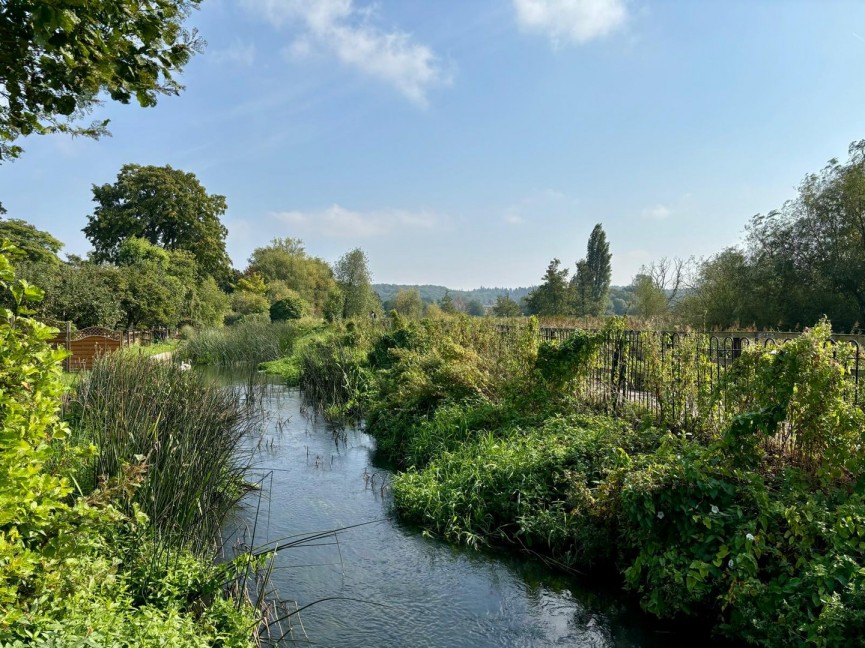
{"points": [[660, 515], [750, 537], [731, 563], [714, 509]]}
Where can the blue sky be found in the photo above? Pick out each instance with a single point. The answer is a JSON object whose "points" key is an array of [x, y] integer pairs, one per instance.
{"points": [[468, 143]]}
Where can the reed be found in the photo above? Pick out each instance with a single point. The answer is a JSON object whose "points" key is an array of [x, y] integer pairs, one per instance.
{"points": [[246, 343], [185, 435]]}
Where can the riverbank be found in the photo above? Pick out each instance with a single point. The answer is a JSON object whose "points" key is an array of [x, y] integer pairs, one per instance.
{"points": [[715, 522], [96, 542]]}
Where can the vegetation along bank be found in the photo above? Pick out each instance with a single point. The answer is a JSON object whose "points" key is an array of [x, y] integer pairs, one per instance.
{"points": [[738, 500], [110, 510]]}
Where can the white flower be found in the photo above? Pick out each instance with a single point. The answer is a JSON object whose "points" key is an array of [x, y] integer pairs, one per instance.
{"points": [[750, 537], [730, 564], [714, 509], [660, 515]]}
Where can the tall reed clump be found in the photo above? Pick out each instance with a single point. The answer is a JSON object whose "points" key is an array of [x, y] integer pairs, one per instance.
{"points": [[183, 432], [245, 343]]}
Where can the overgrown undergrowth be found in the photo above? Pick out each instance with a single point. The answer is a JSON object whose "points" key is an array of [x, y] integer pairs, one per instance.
{"points": [[743, 504], [81, 563]]}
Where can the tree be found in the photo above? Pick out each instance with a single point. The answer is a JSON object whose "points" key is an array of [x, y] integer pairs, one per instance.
{"points": [[167, 207], [648, 299], [551, 297], [475, 308], [58, 59], [657, 287], [446, 303], [581, 290], [86, 294], [37, 246], [285, 265], [353, 278], [408, 303], [596, 272], [506, 307], [798, 263]]}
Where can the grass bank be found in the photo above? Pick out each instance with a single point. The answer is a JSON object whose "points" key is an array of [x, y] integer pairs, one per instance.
{"points": [[749, 511]]}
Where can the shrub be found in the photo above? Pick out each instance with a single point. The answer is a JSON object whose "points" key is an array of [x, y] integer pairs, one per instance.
{"points": [[291, 307]]}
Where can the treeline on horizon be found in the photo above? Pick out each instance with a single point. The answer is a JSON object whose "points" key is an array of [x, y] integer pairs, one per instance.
{"points": [[159, 259]]}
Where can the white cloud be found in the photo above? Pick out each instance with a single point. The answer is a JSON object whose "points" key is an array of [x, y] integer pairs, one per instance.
{"points": [[347, 32], [577, 21], [338, 222], [237, 53], [658, 212]]}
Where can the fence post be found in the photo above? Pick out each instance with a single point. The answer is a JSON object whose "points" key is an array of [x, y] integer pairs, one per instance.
{"points": [[67, 363]]}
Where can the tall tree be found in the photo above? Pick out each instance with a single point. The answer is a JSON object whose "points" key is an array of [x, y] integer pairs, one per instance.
{"points": [[798, 263], [408, 303], [59, 58], [165, 206], [551, 297], [353, 278], [598, 270]]}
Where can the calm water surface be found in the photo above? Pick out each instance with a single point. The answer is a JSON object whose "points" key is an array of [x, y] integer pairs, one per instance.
{"points": [[388, 585]]}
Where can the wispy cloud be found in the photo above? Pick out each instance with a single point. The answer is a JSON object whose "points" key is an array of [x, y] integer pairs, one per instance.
{"points": [[537, 205], [576, 21], [237, 53], [338, 222], [658, 212], [348, 32]]}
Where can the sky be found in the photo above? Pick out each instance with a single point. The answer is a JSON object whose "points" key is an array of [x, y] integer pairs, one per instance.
{"points": [[468, 143]]}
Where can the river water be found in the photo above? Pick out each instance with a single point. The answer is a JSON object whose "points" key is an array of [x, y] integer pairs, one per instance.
{"points": [[383, 584]]}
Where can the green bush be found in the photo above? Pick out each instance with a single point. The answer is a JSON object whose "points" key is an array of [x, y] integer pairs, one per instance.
{"points": [[291, 307]]}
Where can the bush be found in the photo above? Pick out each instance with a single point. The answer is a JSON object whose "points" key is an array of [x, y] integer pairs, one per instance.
{"points": [[291, 307]]}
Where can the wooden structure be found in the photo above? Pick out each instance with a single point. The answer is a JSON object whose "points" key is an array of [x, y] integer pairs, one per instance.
{"points": [[85, 345]]}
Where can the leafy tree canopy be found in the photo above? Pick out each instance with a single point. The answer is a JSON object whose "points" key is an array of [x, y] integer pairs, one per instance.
{"points": [[59, 57], [37, 246], [551, 297], [167, 207], [353, 277], [285, 265]]}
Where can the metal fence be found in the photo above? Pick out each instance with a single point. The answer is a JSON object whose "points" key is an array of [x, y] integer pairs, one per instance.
{"points": [[672, 374]]}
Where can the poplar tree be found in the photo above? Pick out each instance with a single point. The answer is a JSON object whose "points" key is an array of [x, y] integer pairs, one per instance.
{"points": [[591, 282]]}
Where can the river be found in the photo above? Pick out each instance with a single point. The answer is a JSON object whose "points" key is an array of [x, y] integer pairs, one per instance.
{"points": [[385, 585]]}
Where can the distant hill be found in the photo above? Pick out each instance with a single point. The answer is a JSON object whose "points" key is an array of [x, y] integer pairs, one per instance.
{"points": [[433, 294]]}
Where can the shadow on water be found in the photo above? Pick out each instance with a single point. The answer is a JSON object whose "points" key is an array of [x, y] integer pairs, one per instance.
{"points": [[381, 583]]}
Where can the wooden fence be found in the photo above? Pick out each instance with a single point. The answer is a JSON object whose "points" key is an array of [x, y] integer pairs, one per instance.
{"points": [[85, 345]]}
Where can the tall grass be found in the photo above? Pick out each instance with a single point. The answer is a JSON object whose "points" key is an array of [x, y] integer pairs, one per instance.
{"points": [[245, 343], [184, 435]]}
